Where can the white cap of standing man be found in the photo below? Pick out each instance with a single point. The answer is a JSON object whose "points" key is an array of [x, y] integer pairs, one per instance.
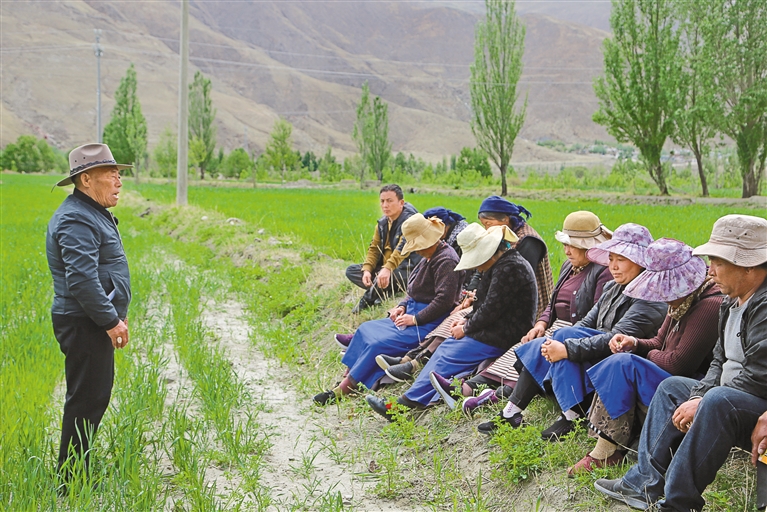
{"points": [[738, 239]]}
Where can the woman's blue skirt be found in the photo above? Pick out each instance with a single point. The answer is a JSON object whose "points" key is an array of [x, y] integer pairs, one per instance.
{"points": [[383, 337], [622, 379], [451, 358], [568, 379]]}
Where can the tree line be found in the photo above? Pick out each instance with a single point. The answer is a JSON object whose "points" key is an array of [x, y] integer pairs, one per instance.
{"points": [[688, 71]]}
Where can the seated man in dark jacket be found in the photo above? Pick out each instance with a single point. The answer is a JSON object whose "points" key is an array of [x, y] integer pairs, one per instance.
{"points": [[385, 270], [563, 359], [682, 447]]}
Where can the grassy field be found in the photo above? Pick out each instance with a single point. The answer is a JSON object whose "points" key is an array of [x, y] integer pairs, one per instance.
{"points": [[231, 325]]}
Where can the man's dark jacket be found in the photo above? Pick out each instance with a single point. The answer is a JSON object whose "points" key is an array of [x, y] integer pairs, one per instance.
{"points": [[87, 262], [615, 313], [753, 336]]}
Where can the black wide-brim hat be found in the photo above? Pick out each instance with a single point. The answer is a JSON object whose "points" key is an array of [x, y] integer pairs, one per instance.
{"points": [[87, 157]]}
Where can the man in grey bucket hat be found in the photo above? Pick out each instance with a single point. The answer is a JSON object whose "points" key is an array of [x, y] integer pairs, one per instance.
{"points": [[683, 446], [91, 285]]}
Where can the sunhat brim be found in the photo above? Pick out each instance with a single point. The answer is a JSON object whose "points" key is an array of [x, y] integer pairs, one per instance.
{"points": [[68, 180], [479, 253], [668, 285], [420, 243], [578, 242], [423, 241], [601, 253], [735, 255]]}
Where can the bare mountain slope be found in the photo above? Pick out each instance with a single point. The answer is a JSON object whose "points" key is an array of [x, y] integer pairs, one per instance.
{"points": [[302, 61]]}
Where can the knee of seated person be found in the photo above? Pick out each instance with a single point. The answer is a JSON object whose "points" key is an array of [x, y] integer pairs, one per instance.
{"points": [[669, 386], [717, 399], [565, 333], [620, 358]]}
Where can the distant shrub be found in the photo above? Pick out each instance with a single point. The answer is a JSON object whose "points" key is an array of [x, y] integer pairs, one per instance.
{"points": [[30, 154]]}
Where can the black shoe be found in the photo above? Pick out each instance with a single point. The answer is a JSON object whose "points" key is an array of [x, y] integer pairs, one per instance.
{"points": [[414, 353], [504, 392], [325, 398], [406, 402], [404, 371], [559, 428], [617, 490], [380, 406], [490, 427], [385, 361], [361, 306]]}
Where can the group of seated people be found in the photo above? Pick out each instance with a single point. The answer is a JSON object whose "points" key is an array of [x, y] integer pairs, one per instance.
{"points": [[639, 337]]}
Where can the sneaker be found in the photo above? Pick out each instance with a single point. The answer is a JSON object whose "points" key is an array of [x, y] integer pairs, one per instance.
{"points": [[487, 396], [343, 340], [489, 427], [385, 361], [588, 464], [617, 490], [404, 371], [444, 387], [380, 406], [325, 398], [558, 429]]}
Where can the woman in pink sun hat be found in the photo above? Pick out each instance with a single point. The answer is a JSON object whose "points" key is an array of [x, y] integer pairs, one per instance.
{"points": [[626, 381]]}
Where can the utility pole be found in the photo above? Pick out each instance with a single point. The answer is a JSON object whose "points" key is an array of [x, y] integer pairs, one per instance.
{"points": [[99, 52], [183, 108], [253, 172]]}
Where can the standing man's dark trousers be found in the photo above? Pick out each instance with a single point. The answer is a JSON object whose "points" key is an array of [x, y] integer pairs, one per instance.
{"points": [[375, 294], [89, 366]]}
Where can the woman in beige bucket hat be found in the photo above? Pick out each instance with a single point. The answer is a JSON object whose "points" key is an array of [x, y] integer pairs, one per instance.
{"points": [[433, 291], [504, 310]]}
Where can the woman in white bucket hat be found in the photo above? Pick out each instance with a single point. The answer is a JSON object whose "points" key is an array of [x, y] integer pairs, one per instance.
{"points": [[503, 311]]}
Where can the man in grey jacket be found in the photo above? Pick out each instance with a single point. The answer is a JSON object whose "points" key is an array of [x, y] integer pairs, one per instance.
{"points": [[91, 285], [691, 426]]}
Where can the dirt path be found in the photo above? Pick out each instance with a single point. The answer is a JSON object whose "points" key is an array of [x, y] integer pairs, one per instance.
{"points": [[300, 469]]}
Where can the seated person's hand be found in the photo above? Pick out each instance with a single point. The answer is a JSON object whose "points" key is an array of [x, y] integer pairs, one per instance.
{"points": [[622, 343], [383, 278], [538, 330], [759, 438], [367, 278], [684, 415], [458, 330], [404, 320], [553, 350], [395, 312]]}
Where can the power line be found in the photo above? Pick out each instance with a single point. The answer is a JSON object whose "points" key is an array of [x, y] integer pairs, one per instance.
{"points": [[249, 46]]}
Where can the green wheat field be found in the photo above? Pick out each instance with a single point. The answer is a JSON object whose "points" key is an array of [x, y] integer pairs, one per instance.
{"points": [[235, 301]]}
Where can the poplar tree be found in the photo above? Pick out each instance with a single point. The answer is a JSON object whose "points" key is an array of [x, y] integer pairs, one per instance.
{"points": [[371, 133], [695, 120], [126, 132], [279, 153], [499, 43], [639, 93], [734, 34], [202, 131]]}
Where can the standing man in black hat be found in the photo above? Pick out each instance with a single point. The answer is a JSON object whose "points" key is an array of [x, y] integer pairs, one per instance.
{"points": [[91, 285]]}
